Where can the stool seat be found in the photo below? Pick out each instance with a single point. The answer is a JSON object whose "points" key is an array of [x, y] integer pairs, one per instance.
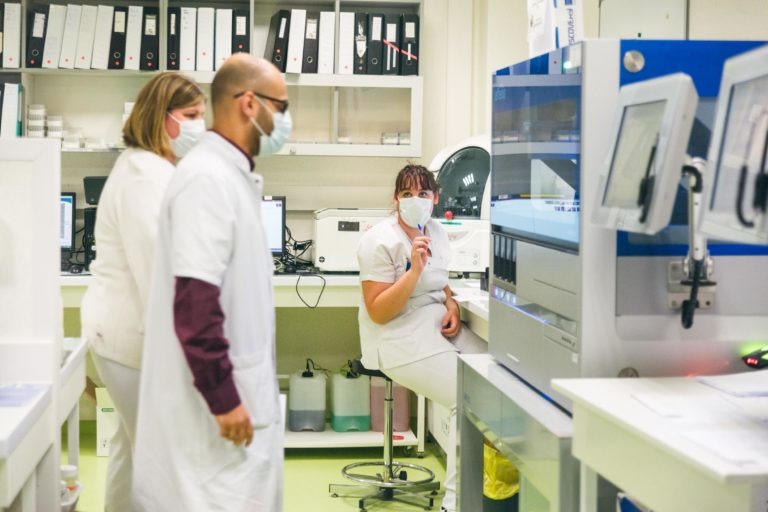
{"points": [[357, 367]]}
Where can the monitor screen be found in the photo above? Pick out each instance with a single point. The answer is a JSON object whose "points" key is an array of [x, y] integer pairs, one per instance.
{"points": [[535, 158], [738, 150], [642, 169], [639, 133], [67, 207], [273, 210]]}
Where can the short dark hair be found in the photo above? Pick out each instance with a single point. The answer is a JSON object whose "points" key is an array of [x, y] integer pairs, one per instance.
{"points": [[411, 175]]}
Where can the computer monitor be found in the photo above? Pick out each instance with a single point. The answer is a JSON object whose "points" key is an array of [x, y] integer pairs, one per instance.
{"points": [[273, 211], [650, 134], [735, 183], [67, 206]]}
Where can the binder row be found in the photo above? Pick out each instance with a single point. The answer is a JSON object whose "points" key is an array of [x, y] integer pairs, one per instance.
{"points": [[92, 37], [302, 41], [10, 35], [201, 39], [127, 37], [10, 110]]}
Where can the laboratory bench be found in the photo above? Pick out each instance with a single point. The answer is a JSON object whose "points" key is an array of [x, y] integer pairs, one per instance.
{"points": [[31, 417], [339, 290], [671, 443], [525, 427]]}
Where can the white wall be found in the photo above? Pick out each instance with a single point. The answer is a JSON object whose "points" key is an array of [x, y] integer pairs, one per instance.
{"points": [[728, 19]]}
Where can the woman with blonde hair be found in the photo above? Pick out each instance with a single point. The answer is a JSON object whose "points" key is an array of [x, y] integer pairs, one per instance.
{"points": [[166, 121]]}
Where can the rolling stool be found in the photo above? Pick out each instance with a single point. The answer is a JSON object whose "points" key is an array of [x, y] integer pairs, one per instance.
{"points": [[391, 484]]}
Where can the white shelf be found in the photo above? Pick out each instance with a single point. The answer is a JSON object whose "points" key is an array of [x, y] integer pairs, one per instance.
{"points": [[523, 148], [329, 438], [309, 149], [92, 150], [114, 73], [323, 80]]}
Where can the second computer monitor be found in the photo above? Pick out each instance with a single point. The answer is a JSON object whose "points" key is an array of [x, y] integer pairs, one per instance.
{"points": [[273, 212], [650, 134]]}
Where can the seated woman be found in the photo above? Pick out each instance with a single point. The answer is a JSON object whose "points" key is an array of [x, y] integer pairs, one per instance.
{"points": [[409, 323]]}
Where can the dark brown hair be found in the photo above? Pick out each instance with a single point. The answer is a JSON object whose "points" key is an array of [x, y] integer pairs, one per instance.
{"points": [[411, 175]]}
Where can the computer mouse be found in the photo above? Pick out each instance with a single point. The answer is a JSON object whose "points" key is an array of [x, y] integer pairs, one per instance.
{"points": [[75, 269]]}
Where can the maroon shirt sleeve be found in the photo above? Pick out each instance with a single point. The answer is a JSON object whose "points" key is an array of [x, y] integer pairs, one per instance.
{"points": [[199, 323]]}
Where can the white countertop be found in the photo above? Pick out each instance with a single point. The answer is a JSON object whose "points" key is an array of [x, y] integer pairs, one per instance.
{"points": [[17, 421], [538, 407], [722, 435]]}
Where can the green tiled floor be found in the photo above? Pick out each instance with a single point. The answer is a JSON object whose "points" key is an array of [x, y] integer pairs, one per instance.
{"points": [[307, 475]]}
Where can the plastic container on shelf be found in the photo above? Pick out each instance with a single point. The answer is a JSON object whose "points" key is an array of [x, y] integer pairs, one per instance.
{"points": [[306, 401], [70, 488], [400, 412], [350, 403]]}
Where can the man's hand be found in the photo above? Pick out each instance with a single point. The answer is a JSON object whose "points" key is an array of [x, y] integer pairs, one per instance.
{"points": [[451, 320], [236, 426]]}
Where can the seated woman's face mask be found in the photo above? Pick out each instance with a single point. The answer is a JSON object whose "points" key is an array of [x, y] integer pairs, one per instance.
{"points": [[415, 211]]}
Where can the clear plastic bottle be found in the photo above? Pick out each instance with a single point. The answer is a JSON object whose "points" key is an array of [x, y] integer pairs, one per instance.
{"points": [[69, 485]]}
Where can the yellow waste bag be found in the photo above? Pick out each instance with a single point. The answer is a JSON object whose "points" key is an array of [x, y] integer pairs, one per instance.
{"points": [[500, 478]]}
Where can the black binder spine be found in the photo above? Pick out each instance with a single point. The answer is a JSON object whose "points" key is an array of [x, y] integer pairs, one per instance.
{"points": [[117, 40], [174, 32], [409, 47], [311, 34], [277, 40], [391, 40], [240, 31], [37, 24], [150, 39], [360, 51], [375, 45]]}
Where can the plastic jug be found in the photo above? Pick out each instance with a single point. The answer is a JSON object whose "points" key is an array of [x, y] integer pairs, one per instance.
{"points": [[400, 409], [350, 403], [306, 401]]}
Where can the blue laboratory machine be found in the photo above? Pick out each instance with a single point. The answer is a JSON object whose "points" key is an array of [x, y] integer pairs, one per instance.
{"points": [[570, 298]]}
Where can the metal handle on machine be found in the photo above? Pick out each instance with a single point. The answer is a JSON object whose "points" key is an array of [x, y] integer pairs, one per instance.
{"points": [[646, 185]]}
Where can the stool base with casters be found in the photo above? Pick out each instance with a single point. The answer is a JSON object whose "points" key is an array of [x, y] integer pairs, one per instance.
{"points": [[387, 480]]}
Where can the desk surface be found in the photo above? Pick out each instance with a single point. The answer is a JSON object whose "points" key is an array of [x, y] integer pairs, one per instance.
{"points": [[17, 421], [534, 404], [723, 436]]}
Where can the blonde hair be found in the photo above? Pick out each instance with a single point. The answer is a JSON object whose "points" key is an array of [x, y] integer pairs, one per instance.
{"points": [[145, 127]]}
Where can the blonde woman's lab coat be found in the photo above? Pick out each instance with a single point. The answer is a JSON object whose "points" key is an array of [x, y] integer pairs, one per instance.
{"points": [[211, 230]]}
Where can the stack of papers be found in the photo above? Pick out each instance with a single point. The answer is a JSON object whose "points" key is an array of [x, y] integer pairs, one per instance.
{"points": [[754, 383]]}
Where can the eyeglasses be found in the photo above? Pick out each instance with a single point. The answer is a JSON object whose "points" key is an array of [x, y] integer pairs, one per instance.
{"points": [[282, 105]]}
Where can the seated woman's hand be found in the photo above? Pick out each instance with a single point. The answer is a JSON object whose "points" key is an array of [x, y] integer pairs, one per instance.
{"points": [[451, 320], [419, 253]]}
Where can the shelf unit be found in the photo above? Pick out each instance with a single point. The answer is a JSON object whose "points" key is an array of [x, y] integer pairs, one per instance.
{"points": [[326, 109], [329, 438]]}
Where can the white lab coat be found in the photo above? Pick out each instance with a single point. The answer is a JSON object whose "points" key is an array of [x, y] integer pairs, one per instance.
{"points": [[112, 312], [210, 229], [414, 334]]}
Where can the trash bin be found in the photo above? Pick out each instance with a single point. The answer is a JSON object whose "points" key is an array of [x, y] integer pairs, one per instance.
{"points": [[501, 482]]}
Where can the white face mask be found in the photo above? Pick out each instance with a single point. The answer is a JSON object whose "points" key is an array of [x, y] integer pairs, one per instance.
{"points": [[415, 211], [190, 131], [281, 131]]}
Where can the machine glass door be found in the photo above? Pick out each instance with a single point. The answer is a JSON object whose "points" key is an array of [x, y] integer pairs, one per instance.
{"points": [[462, 181]]}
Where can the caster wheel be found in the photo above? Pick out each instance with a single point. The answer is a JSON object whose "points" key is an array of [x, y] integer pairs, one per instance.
{"points": [[334, 495], [433, 493], [403, 475], [420, 455]]}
